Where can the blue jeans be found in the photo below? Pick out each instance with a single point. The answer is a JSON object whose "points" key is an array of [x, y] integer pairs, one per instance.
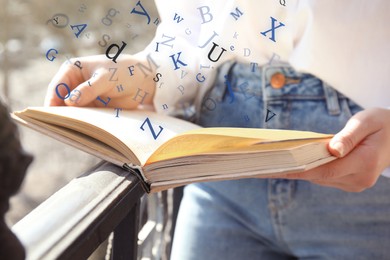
{"points": [[278, 218]]}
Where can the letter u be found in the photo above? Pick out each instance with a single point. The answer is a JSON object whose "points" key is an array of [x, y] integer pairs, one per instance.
{"points": [[212, 50]]}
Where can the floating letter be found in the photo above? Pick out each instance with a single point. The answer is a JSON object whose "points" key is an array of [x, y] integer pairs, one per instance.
{"points": [[67, 89], [144, 12], [120, 49], [267, 118], [104, 102], [157, 78], [212, 50], [52, 56], [177, 18], [237, 14], [138, 95], [209, 40], [147, 120], [83, 26], [175, 61], [204, 13], [113, 74], [272, 30]]}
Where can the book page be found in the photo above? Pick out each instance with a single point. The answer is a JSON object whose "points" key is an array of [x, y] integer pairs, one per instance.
{"points": [[142, 132], [232, 140], [259, 133]]}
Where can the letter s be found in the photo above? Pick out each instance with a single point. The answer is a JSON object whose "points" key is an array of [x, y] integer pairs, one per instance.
{"points": [[105, 38], [158, 75]]}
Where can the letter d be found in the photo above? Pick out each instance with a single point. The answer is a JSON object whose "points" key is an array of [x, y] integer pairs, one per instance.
{"points": [[120, 49], [247, 52]]}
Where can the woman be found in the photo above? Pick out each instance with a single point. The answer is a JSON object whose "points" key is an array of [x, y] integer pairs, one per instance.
{"points": [[307, 65]]}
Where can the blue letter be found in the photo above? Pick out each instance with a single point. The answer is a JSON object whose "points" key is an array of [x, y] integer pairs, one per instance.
{"points": [[67, 89], [237, 14], [230, 90], [117, 111], [151, 128], [52, 57], [201, 79], [203, 14], [104, 102], [79, 30], [177, 60], [272, 30], [177, 18], [141, 13]]}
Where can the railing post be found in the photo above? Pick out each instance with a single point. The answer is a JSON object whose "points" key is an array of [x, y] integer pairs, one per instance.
{"points": [[126, 236]]}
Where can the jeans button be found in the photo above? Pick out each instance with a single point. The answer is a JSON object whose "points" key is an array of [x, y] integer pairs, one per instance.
{"points": [[278, 80]]}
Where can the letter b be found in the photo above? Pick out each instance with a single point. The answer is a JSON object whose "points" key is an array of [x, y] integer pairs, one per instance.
{"points": [[205, 13]]}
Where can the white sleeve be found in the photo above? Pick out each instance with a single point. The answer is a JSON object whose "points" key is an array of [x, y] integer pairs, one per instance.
{"points": [[180, 48]]}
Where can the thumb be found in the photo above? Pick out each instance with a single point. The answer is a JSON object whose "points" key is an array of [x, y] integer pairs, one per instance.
{"points": [[355, 131]]}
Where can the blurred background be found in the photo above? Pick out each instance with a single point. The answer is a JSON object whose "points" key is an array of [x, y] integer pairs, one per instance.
{"points": [[28, 30]]}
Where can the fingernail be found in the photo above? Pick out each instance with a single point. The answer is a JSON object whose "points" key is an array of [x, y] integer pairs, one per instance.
{"points": [[74, 96], [339, 147]]}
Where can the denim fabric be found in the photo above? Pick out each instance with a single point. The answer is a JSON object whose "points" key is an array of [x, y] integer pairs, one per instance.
{"points": [[278, 218]]}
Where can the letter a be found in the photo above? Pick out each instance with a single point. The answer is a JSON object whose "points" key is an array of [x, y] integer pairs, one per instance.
{"points": [[83, 26]]}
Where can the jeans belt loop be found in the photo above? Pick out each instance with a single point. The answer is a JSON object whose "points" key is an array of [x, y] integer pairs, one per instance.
{"points": [[332, 100]]}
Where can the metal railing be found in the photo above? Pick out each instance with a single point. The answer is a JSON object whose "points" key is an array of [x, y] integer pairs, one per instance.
{"points": [[106, 200]]}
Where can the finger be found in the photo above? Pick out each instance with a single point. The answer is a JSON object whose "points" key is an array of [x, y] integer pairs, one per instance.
{"points": [[88, 91], [337, 185], [350, 183], [357, 128], [63, 82], [123, 102], [333, 169]]}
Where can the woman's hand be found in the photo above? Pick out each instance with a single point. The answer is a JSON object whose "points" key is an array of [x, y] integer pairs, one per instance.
{"points": [[363, 148], [100, 82]]}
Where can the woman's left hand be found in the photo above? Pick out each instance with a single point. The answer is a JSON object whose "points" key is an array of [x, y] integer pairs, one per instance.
{"points": [[363, 151]]}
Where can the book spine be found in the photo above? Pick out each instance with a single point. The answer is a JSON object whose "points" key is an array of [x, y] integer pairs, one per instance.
{"points": [[137, 171]]}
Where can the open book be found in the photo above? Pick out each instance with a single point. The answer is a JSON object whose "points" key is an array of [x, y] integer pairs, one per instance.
{"points": [[166, 152]]}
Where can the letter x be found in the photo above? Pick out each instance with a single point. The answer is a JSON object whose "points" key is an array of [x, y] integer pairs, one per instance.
{"points": [[272, 30]]}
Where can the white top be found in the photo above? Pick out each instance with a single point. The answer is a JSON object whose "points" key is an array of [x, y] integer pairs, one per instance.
{"points": [[344, 43]]}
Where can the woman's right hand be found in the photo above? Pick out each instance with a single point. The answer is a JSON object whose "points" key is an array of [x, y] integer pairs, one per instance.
{"points": [[97, 81]]}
